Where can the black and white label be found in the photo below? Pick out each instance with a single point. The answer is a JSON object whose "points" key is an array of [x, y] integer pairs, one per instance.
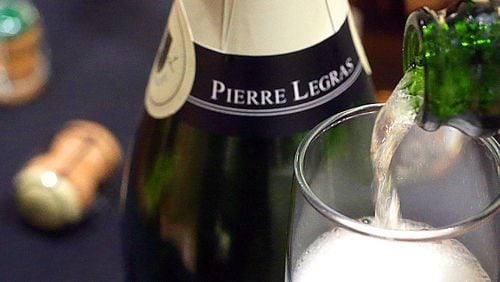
{"points": [[288, 98], [274, 95], [256, 94]]}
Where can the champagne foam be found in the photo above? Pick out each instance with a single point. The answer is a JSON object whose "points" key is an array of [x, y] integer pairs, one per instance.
{"points": [[342, 255]]}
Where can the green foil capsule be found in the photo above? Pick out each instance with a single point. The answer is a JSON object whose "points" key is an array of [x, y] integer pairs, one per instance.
{"points": [[16, 17]]}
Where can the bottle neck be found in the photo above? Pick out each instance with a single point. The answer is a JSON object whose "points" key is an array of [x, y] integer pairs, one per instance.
{"points": [[250, 27], [457, 50]]}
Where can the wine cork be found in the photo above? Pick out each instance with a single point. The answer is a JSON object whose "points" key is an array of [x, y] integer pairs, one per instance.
{"points": [[57, 188]]}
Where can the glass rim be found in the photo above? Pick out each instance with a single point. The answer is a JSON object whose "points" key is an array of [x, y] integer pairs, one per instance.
{"points": [[449, 231]]}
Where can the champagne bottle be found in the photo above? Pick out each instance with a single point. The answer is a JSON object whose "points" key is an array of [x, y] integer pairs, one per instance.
{"points": [[24, 53], [232, 89], [457, 51]]}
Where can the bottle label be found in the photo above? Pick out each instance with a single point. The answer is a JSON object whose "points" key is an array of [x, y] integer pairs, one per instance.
{"points": [[260, 95], [173, 72]]}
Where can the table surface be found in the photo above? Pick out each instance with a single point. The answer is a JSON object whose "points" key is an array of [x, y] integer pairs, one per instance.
{"points": [[102, 51]]}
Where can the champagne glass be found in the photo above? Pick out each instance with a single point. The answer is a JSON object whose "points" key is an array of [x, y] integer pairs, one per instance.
{"points": [[448, 187]]}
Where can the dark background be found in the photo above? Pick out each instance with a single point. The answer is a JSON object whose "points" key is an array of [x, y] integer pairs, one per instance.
{"points": [[102, 51]]}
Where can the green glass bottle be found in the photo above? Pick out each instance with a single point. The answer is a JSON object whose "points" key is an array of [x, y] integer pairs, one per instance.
{"points": [[457, 52], [233, 88]]}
